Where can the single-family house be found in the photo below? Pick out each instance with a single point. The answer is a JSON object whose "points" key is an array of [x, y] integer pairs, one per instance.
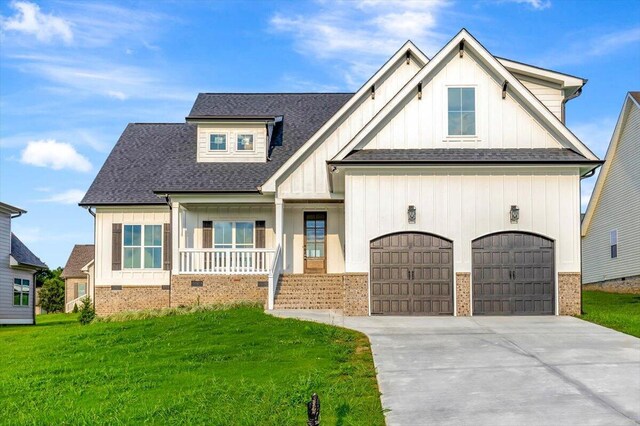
{"points": [[18, 269], [611, 225], [443, 186], [77, 276]]}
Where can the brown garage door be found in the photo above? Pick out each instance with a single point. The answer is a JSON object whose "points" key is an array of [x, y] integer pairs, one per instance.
{"points": [[411, 274], [513, 274]]}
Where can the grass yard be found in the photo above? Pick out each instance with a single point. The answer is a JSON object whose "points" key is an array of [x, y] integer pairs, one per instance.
{"points": [[223, 367], [618, 311]]}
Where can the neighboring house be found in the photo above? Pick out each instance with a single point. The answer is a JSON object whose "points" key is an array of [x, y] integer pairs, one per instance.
{"points": [[77, 279], [611, 225], [444, 186], [18, 268]]}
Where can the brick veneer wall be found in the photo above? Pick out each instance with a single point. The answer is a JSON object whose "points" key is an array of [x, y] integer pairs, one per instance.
{"points": [[463, 294], [218, 289], [619, 285], [569, 293], [356, 294], [130, 298], [69, 288]]}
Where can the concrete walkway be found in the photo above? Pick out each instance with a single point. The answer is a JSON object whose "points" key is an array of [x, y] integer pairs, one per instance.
{"points": [[499, 370]]}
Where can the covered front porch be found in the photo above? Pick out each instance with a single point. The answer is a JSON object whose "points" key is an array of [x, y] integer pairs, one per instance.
{"points": [[255, 236]]}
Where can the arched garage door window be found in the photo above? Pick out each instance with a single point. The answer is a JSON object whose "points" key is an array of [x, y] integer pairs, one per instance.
{"points": [[513, 274], [411, 274]]}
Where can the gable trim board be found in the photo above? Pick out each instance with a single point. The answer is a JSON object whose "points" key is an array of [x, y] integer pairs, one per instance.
{"points": [[515, 88], [611, 152], [271, 184]]}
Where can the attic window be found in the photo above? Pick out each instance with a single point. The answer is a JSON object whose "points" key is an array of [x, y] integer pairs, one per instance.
{"points": [[245, 143], [462, 111], [218, 142]]}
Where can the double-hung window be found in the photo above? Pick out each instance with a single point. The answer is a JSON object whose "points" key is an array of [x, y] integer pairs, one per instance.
{"points": [[227, 235], [142, 246], [245, 142], [218, 142], [461, 111], [613, 242], [20, 292]]}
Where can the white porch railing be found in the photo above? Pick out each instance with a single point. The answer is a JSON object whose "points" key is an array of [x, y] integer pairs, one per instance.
{"points": [[77, 301], [226, 261], [274, 276]]}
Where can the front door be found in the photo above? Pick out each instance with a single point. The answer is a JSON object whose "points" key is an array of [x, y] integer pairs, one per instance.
{"points": [[315, 242]]}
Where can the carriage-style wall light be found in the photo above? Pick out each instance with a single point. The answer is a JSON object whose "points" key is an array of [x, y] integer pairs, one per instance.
{"points": [[514, 214], [411, 214]]}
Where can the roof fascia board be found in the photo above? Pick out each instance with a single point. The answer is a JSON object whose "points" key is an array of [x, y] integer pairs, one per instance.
{"points": [[565, 80], [515, 87], [270, 184], [611, 151], [8, 208], [222, 198]]}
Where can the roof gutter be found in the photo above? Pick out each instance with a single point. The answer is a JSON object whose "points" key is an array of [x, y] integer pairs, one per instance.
{"points": [[14, 216]]}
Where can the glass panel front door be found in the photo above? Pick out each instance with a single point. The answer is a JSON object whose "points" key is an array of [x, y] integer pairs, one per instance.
{"points": [[315, 242]]}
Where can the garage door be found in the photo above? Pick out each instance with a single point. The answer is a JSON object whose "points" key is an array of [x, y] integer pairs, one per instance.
{"points": [[411, 274], [513, 274]]}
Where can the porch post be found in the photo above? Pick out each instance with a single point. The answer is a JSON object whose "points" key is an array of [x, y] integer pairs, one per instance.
{"points": [[279, 222], [175, 238]]}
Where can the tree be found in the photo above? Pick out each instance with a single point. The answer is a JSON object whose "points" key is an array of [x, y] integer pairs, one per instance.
{"points": [[52, 291], [87, 311]]}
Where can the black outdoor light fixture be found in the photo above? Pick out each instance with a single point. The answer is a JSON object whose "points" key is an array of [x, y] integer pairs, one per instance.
{"points": [[514, 214], [411, 213]]}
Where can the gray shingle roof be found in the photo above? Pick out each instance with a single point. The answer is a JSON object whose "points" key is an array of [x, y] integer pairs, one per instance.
{"points": [[162, 157], [23, 255], [79, 257], [465, 155]]}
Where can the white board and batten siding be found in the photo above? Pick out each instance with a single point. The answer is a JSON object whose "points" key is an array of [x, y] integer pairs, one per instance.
{"points": [[618, 209], [10, 314], [191, 221], [232, 154], [309, 179], [105, 218], [462, 205], [423, 123]]}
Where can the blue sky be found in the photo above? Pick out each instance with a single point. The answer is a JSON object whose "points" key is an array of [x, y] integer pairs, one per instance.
{"points": [[74, 73]]}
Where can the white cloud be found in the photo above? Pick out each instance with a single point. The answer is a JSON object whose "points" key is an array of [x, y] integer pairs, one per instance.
{"points": [[55, 155], [535, 4], [28, 19], [71, 196], [596, 134], [362, 34]]}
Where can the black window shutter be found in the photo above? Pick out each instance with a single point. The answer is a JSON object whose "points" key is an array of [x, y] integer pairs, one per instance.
{"points": [[207, 234], [260, 234], [116, 246]]}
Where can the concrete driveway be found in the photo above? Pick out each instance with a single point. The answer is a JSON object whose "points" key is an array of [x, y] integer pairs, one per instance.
{"points": [[499, 370]]}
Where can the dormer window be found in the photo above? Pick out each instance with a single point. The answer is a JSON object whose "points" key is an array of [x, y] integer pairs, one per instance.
{"points": [[462, 111], [218, 142], [245, 142]]}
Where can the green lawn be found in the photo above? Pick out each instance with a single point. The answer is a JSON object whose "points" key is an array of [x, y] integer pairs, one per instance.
{"points": [[237, 366], [618, 311]]}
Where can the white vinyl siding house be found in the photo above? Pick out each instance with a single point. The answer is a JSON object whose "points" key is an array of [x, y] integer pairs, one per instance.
{"points": [[321, 220], [18, 266], [613, 214]]}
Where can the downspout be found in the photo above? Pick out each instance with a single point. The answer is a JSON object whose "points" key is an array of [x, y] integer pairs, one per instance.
{"points": [[167, 200], [35, 277], [14, 216], [93, 286]]}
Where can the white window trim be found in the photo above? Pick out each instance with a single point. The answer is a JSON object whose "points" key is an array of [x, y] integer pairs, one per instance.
{"points": [[617, 244], [233, 233], [253, 135], [22, 280], [227, 139], [142, 246], [466, 138]]}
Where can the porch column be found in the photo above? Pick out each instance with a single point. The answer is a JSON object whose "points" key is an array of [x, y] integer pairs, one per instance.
{"points": [[175, 238], [279, 223]]}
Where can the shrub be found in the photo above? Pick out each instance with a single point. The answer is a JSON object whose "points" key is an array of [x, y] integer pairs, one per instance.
{"points": [[52, 293], [75, 308], [87, 311]]}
